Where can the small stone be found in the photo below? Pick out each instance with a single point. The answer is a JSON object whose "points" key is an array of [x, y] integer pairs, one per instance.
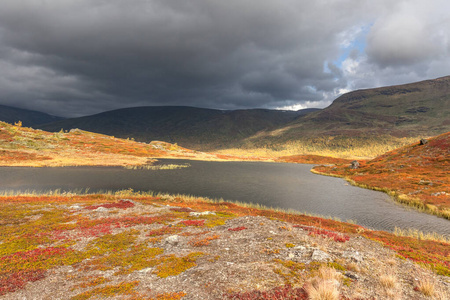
{"points": [[319, 255], [351, 275], [146, 270], [354, 164], [203, 213], [299, 248], [423, 141], [101, 208], [173, 239]]}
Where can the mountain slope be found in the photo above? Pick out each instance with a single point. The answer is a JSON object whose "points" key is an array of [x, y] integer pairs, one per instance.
{"points": [[196, 128], [414, 109], [417, 174], [11, 115]]}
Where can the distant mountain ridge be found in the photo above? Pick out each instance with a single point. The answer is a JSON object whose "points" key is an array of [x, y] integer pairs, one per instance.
{"points": [[408, 110], [197, 128], [421, 108], [28, 117]]}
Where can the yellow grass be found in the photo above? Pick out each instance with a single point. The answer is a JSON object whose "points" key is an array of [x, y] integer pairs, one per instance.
{"points": [[339, 147], [325, 285]]}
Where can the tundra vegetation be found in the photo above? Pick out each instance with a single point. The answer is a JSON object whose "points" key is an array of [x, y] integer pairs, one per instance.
{"points": [[130, 245], [416, 175]]}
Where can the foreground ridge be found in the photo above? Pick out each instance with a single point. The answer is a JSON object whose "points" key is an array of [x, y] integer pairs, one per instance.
{"points": [[141, 246]]}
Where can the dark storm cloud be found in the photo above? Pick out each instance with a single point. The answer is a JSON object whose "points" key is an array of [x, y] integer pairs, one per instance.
{"points": [[79, 57]]}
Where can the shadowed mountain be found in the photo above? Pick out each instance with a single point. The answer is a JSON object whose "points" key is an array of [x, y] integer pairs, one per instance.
{"points": [[414, 109], [27, 117], [191, 127]]}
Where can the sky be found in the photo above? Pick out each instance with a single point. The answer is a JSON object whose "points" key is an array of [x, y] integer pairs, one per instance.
{"points": [[79, 57]]}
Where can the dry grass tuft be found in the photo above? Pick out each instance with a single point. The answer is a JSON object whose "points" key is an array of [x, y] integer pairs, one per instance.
{"points": [[322, 290], [426, 285], [325, 286], [389, 281]]}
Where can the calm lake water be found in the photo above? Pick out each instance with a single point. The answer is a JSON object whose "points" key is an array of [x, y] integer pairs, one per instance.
{"points": [[272, 184]]}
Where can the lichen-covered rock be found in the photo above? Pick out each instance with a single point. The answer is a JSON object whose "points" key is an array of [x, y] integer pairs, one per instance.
{"points": [[321, 256]]}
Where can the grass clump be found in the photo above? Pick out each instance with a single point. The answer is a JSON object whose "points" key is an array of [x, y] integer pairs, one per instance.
{"points": [[325, 285], [172, 265]]}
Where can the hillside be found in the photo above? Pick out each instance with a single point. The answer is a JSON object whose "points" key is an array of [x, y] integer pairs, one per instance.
{"points": [[195, 128], [143, 246], [22, 146], [421, 108], [417, 175], [361, 124], [27, 117]]}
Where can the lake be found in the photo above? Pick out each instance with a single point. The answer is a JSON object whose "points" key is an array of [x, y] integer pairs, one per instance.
{"points": [[281, 185]]}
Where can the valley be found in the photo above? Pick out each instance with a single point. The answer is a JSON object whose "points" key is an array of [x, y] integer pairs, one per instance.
{"points": [[121, 240]]}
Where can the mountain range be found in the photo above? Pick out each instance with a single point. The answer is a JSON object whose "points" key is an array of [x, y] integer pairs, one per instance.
{"points": [[421, 108], [191, 127], [409, 110], [29, 118]]}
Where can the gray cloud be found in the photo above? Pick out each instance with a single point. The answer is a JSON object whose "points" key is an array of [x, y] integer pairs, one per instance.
{"points": [[79, 57]]}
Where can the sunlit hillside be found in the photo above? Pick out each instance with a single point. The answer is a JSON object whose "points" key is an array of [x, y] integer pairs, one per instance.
{"points": [[417, 174], [21, 146]]}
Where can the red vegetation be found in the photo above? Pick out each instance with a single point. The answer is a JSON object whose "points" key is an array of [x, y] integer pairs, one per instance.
{"points": [[420, 172], [122, 204], [278, 293], [237, 228], [21, 267], [337, 237], [193, 222], [16, 281], [198, 242], [20, 155], [432, 253]]}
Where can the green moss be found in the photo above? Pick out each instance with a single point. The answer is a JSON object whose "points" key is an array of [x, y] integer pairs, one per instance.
{"points": [[292, 271], [346, 281], [112, 242], [172, 265], [25, 243], [336, 266]]}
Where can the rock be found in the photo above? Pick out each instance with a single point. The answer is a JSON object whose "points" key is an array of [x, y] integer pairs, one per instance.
{"points": [[439, 193], [319, 255], [146, 270], [354, 165], [351, 275], [172, 240], [300, 248], [101, 208], [423, 142], [203, 213]]}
